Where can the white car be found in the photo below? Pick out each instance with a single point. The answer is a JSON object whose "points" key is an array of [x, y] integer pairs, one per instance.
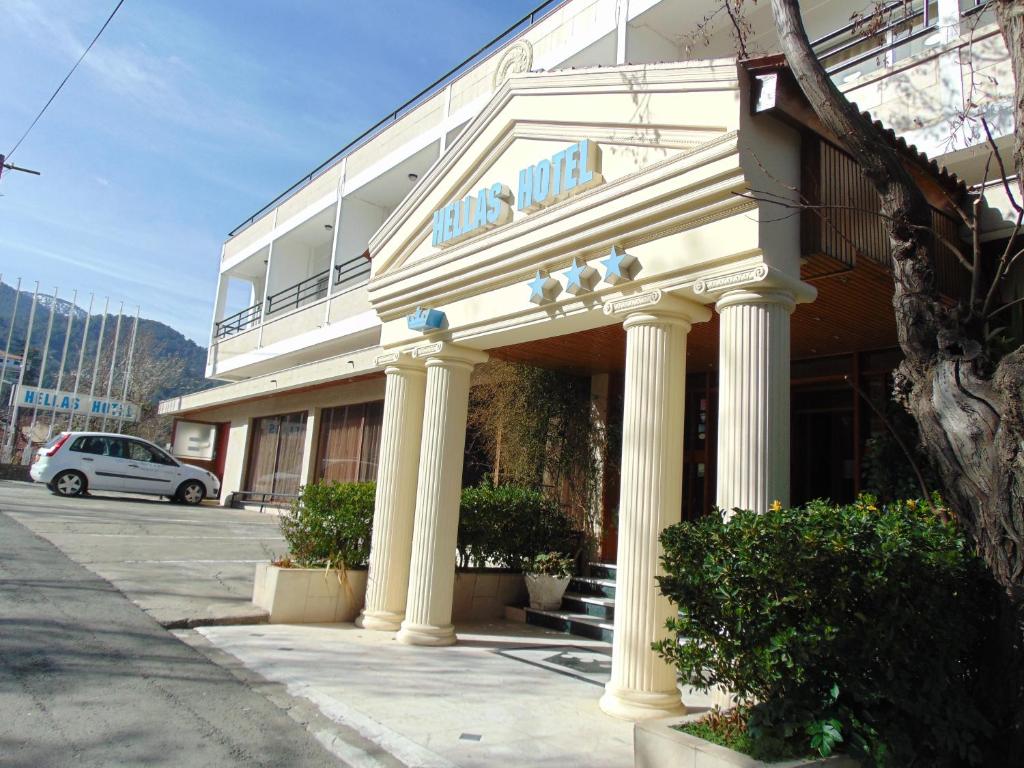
{"points": [[74, 462]]}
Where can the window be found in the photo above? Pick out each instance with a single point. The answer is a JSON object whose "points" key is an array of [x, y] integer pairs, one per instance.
{"points": [[141, 452], [100, 445], [349, 446], [275, 455]]}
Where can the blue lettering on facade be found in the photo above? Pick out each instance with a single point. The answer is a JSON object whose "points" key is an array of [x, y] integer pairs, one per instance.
{"points": [[570, 170]]}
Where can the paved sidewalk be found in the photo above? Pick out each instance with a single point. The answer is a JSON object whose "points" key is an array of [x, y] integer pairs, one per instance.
{"points": [[182, 565], [506, 695]]}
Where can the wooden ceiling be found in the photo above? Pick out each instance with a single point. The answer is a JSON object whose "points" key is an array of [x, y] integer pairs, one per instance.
{"points": [[853, 312]]}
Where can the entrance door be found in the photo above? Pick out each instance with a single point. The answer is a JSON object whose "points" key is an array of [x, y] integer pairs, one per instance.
{"points": [[822, 444]]}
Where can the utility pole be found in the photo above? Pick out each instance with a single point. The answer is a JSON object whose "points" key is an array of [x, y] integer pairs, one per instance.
{"points": [[13, 167]]}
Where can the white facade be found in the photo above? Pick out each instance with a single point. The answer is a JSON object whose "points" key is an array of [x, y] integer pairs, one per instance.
{"points": [[662, 144]]}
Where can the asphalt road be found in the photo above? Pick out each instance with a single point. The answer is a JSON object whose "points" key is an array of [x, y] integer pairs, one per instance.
{"points": [[88, 679], [182, 565]]}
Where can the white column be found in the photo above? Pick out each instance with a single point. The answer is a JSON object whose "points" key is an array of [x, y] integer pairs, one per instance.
{"points": [[642, 685], [428, 617], [402, 424], [753, 399], [310, 446]]}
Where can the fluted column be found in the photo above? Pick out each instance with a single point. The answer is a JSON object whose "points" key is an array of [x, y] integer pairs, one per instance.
{"points": [[387, 581], [753, 399], [642, 685], [428, 616]]}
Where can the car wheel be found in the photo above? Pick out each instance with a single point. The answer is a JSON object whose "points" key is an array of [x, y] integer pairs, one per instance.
{"points": [[191, 492], [68, 483]]}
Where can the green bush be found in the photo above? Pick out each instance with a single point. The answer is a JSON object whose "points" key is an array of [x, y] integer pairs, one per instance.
{"points": [[509, 525], [330, 524], [550, 564], [852, 624]]}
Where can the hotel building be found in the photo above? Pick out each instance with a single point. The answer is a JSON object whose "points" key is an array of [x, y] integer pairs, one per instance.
{"points": [[604, 191]]}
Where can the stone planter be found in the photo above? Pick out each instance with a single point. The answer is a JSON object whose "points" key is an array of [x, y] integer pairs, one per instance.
{"points": [[657, 744], [316, 596], [309, 595], [546, 591]]}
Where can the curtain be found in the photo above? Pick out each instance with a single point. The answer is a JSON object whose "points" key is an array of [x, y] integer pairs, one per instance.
{"points": [[275, 456], [349, 445]]}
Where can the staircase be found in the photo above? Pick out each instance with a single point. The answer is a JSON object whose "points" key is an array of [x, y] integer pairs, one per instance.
{"points": [[588, 607]]}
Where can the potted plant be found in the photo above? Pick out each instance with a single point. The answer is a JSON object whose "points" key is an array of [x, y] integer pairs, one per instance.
{"points": [[323, 577], [547, 577]]}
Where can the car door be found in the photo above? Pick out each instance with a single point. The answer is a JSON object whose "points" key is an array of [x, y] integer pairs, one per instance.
{"points": [[147, 471], [99, 457]]}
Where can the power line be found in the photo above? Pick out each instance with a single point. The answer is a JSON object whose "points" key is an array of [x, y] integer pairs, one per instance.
{"points": [[66, 77]]}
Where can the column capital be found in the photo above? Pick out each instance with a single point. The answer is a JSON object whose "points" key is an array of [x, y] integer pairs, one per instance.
{"points": [[656, 306], [442, 352], [754, 295], [400, 361]]}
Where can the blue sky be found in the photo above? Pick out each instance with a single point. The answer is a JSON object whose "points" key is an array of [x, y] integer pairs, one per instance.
{"points": [[186, 117]]}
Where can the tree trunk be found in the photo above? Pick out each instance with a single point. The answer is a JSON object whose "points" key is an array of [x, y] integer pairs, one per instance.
{"points": [[968, 410]]}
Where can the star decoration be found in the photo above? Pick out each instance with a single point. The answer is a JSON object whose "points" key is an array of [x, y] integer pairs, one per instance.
{"points": [[544, 288], [620, 267], [580, 278]]}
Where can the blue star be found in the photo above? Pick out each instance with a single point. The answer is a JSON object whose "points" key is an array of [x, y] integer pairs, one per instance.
{"points": [[580, 278], [542, 288], [618, 267]]}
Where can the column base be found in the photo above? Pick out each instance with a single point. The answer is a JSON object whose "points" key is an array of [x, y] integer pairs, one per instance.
{"points": [[627, 704], [425, 634], [380, 621]]}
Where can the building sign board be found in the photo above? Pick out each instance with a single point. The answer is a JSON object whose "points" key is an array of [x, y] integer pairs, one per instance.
{"points": [[194, 440], [565, 173], [68, 402]]}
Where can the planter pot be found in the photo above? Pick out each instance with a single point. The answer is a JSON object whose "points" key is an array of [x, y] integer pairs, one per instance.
{"points": [[309, 595], [657, 744], [546, 591]]}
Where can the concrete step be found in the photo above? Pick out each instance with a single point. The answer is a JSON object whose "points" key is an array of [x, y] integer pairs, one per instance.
{"points": [[593, 586], [580, 624], [602, 570], [601, 607]]}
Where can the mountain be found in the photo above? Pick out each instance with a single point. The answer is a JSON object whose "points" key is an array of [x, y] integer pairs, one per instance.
{"points": [[164, 362]]}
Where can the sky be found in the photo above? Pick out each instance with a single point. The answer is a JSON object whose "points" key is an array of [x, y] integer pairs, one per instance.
{"points": [[185, 118]]}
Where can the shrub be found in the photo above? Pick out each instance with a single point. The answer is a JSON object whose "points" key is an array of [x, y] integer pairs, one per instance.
{"points": [[508, 525], [550, 564], [330, 525], [836, 623]]}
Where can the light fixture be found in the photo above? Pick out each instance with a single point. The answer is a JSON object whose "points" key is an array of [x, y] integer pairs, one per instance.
{"points": [[413, 176]]}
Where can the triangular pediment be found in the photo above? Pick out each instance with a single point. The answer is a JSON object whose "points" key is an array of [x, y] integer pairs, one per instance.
{"points": [[549, 139]]}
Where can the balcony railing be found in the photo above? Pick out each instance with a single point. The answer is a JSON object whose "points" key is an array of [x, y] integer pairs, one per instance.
{"points": [[873, 37], [348, 274], [351, 272], [240, 321], [309, 290]]}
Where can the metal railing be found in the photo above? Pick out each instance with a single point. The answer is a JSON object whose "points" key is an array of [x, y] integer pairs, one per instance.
{"points": [[896, 24], [240, 321], [309, 290], [537, 14], [352, 272]]}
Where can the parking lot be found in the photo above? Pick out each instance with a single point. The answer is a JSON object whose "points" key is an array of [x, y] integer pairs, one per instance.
{"points": [[183, 565]]}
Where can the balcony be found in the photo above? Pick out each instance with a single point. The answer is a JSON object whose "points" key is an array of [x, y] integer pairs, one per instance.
{"points": [[347, 275]]}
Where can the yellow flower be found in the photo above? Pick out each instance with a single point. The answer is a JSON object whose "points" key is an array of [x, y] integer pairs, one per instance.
{"points": [[776, 505], [912, 503]]}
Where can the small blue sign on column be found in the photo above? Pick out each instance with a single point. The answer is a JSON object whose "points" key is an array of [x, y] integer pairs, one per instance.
{"points": [[426, 320]]}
